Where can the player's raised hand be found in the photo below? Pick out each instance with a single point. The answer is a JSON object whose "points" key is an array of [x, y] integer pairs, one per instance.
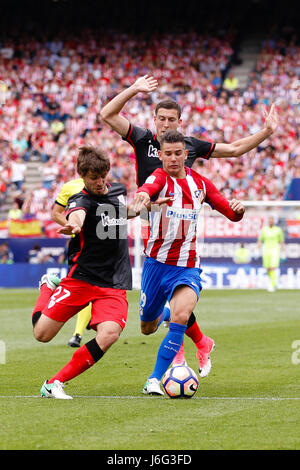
{"points": [[236, 206], [69, 229], [271, 119], [145, 84]]}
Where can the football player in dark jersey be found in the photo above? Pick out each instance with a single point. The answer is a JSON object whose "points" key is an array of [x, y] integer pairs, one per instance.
{"points": [[167, 117], [146, 144], [100, 270]]}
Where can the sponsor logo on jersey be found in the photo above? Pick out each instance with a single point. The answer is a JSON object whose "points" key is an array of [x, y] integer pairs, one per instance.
{"points": [[111, 221], [152, 152], [182, 214]]}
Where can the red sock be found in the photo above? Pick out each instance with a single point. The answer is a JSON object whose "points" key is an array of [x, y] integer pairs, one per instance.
{"points": [[194, 333], [81, 361], [43, 298]]}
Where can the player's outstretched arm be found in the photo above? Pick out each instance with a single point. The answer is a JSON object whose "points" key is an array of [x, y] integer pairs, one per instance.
{"points": [[242, 146], [152, 187], [75, 222], [57, 214], [110, 113], [131, 213], [233, 209]]}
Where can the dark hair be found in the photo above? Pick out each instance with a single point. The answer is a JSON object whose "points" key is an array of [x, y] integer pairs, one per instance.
{"points": [[168, 104], [172, 137], [92, 159]]}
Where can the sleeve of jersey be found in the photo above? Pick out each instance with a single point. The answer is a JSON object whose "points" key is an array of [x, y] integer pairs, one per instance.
{"points": [[202, 148], [63, 196], [77, 203], [218, 202], [154, 183], [134, 134]]}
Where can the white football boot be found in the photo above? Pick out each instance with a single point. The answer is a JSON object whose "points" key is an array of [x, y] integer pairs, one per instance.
{"points": [[54, 390], [152, 387], [51, 281]]}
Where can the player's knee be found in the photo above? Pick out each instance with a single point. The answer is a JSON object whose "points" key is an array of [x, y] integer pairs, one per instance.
{"points": [[114, 337], [107, 338], [181, 317], [41, 335], [148, 328]]}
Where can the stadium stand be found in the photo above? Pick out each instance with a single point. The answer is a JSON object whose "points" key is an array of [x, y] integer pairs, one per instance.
{"points": [[52, 87]]}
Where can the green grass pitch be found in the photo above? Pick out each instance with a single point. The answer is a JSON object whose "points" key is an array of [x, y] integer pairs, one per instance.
{"points": [[250, 400]]}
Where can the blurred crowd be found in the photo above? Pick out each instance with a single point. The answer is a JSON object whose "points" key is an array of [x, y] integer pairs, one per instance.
{"points": [[51, 93]]}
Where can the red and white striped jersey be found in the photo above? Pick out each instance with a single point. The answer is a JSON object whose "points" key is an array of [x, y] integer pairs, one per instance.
{"points": [[173, 227]]}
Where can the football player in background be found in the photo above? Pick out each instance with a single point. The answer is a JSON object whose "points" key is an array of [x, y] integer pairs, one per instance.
{"points": [[271, 238]]}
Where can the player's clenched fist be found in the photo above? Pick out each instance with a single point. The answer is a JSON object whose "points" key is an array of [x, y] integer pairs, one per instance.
{"points": [[237, 206]]}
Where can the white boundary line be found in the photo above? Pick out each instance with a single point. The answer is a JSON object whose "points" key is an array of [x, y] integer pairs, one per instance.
{"points": [[134, 397]]}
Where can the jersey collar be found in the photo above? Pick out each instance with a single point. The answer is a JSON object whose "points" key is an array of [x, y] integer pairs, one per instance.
{"points": [[88, 193]]}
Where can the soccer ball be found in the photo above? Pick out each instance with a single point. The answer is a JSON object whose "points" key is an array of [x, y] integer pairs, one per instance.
{"points": [[180, 382]]}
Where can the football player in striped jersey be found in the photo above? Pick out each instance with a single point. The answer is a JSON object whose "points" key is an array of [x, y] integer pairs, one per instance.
{"points": [[171, 271]]}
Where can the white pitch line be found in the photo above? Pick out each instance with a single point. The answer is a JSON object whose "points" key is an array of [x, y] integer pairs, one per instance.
{"points": [[133, 397]]}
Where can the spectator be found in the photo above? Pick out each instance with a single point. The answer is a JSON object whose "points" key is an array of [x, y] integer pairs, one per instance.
{"points": [[63, 257], [3, 189], [18, 169], [37, 256], [20, 144], [51, 110], [231, 83], [49, 172], [33, 254], [15, 213], [6, 255]]}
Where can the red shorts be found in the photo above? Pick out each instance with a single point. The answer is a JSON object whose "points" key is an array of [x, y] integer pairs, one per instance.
{"points": [[72, 295]]}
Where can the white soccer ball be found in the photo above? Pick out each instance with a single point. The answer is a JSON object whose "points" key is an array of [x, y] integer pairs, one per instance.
{"points": [[180, 382]]}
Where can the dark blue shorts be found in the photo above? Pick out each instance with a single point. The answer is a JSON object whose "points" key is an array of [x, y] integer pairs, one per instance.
{"points": [[159, 281]]}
